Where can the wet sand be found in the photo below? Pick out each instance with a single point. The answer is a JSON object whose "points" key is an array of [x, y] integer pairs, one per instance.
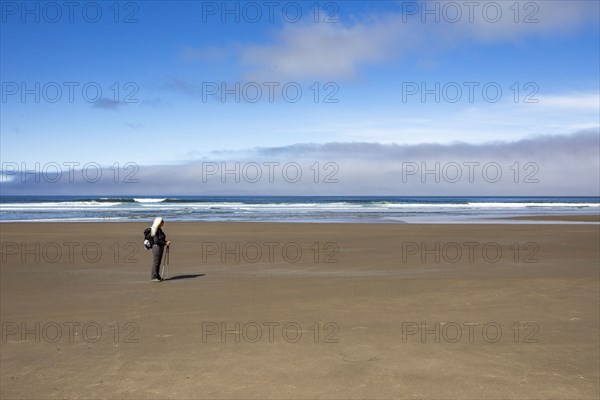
{"points": [[259, 310], [571, 218]]}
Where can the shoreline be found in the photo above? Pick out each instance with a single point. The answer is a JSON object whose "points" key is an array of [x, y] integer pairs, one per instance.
{"points": [[565, 218], [303, 209], [517, 219]]}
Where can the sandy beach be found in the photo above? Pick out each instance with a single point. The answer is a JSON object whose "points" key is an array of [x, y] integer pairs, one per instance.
{"points": [[339, 311]]}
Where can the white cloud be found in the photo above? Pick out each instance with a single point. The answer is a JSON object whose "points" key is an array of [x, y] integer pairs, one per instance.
{"points": [[411, 122], [338, 50], [324, 50], [582, 101], [4, 178], [511, 20]]}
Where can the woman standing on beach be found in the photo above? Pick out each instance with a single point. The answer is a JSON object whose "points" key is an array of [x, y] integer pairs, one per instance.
{"points": [[160, 241]]}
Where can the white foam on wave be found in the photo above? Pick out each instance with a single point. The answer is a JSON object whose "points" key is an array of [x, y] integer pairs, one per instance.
{"points": [[58, 205], [482, 205], [522, 205], [149, 200], [358, 207], [380, 206], [78, 219]]}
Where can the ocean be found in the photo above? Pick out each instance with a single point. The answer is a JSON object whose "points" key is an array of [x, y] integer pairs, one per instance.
{"points": [[338, 209]]}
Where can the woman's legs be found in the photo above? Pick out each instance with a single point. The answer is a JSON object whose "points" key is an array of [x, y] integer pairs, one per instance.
{"points": [[157, 253]]}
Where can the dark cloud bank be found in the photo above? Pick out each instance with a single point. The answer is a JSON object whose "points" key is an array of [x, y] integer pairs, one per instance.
{"points": [[565, 165]]}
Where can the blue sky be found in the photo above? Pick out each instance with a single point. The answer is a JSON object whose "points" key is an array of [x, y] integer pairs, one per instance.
{"points": [[370, 54]]}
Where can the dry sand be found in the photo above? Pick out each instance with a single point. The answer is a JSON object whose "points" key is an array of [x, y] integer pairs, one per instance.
{"points": [[381, 322]]}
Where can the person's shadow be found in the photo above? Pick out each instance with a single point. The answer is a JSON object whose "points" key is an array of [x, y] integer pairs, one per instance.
{"points": [[187, 276]]}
